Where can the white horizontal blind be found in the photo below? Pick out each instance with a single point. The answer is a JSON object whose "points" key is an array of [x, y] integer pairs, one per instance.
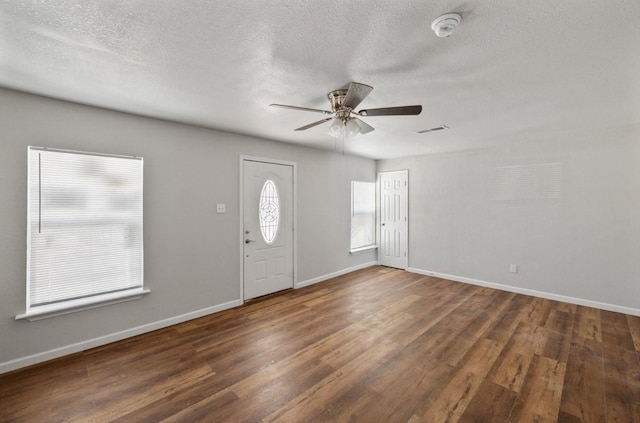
{"points": [[363, 214], [84, 226]]}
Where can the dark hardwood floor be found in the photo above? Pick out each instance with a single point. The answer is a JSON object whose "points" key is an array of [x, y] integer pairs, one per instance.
{"points": [[376, 345]]}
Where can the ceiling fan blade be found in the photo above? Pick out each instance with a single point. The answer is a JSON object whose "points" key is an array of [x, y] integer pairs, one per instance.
{"points": [[311, 125], [388, 111], [305, 109], [364, 127], [356, 93]]}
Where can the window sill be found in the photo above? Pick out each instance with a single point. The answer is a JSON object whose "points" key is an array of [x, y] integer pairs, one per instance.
{"points": [[363, 249], [59, 309]]}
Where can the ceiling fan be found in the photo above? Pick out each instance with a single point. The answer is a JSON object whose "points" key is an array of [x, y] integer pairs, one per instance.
{"points": [[343, 103]]}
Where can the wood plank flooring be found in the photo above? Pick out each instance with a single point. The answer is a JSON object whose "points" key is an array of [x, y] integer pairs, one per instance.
{"points": [[376, 345]]}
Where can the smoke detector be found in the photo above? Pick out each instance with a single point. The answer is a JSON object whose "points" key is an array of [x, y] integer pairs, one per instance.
{"points": [[444, 25]]}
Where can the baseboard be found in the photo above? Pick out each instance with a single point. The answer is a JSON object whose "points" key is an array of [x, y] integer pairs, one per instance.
{"points": [[118, 336], [532, 292], [334, 274]]}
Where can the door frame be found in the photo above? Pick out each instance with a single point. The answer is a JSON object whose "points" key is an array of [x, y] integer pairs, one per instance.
{"points": [[294, 259], [379, 214]]}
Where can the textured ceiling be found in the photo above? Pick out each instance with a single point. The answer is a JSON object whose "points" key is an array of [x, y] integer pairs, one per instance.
{"points": [[513, 70]]}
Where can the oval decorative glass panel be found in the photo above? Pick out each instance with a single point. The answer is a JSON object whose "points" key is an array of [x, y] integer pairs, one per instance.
{"points": [[269, 212]]}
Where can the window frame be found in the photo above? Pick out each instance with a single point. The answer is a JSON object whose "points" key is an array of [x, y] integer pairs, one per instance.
{"points": [[75, 300]]}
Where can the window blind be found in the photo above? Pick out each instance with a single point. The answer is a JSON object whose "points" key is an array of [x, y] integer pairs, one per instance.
{"points": [[363, 214], [84, 226]]}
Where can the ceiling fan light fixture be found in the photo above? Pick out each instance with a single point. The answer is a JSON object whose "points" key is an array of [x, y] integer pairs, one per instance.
{"points": [[344, 127], [337, 128], [351, 128]]}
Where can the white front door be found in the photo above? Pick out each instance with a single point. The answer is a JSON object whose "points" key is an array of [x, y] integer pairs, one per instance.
{"points": [[267, 228], [394, 219]]}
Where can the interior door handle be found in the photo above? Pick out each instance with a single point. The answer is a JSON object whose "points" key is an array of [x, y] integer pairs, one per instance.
{"points": [[383, 224], [246, 241]]}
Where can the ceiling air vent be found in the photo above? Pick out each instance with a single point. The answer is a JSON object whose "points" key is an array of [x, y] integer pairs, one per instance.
{"points": [[437, 128]]}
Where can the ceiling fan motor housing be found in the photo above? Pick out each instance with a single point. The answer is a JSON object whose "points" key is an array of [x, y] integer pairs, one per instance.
{"points": [[337, 98]]}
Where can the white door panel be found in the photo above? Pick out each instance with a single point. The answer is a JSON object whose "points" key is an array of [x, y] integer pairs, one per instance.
{"points": [[267, 228], [393, 219]]}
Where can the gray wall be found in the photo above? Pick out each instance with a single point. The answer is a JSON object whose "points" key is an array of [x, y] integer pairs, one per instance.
{"points": [[191, 253], [582, 246]]}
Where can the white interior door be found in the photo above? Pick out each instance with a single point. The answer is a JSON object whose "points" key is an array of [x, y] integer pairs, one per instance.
{"points": [[394, 219], [267, 228]]}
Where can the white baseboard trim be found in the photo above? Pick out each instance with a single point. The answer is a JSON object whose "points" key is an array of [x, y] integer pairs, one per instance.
{"points": [[334, 274], [532, 292], [107, 339]]}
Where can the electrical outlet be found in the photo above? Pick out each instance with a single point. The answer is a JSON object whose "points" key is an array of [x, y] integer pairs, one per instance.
{"points": [[513, 268], [220, 208]]}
